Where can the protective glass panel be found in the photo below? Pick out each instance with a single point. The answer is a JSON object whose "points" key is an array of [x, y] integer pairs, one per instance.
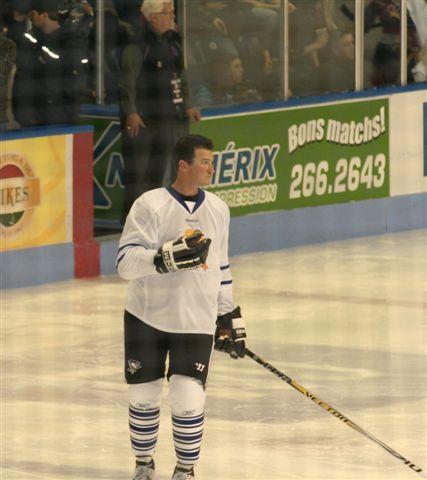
{"points": [[234, 52], [321, 46]]}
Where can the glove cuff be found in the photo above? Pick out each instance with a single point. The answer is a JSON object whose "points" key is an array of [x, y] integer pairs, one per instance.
{"points": [[231, 320]]}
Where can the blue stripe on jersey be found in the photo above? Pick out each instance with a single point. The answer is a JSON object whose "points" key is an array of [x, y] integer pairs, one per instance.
{"points": [[224, 267], [226, 282], [129, 245], [124, 246], [178, 197]]}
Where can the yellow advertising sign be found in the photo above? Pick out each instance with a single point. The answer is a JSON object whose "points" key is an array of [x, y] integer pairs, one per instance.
{"points": [[34, 192]]}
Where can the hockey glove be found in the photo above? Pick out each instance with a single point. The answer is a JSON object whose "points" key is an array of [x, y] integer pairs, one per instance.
{"points": [[230, 334], [186, 253]]}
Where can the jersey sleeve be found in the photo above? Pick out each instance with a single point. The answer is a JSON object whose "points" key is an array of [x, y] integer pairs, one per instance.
{"points": [[225, 295], [136, 247]]}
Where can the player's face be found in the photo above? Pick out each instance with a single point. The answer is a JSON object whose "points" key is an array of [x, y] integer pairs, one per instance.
{"points": [[202, 167]]}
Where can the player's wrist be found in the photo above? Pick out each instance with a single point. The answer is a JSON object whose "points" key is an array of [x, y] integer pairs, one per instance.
{"points": [[187, 252], [159, 263]]}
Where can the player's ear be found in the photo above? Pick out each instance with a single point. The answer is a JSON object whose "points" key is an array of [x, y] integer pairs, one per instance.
{"points": [[183, 165]]}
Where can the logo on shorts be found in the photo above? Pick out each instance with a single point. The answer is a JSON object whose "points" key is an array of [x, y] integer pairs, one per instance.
{"points": [[134, 366], [200, 366]]}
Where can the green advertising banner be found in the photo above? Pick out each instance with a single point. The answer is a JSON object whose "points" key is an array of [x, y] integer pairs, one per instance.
{"points": [[273, 160], [107, 168], [304, 157]]}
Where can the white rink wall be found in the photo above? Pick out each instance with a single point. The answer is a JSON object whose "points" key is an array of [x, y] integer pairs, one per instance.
{"points": [[407, 143]]}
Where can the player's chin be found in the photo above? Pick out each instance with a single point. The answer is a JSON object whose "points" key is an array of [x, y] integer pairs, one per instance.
{"points": [[206, 182]]}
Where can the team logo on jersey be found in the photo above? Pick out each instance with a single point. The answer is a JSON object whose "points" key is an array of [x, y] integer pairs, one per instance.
{"points": [[134, 366], [19, 194]]}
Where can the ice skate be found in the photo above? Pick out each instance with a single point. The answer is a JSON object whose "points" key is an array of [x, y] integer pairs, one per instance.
{"points": [[145, 471], [183, 474]]}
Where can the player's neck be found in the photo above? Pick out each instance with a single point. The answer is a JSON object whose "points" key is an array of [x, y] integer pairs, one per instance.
{"points": [[185, 188]]}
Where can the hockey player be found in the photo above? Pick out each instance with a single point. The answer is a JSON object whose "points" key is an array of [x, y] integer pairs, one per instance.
{"points": [[174, 251]]}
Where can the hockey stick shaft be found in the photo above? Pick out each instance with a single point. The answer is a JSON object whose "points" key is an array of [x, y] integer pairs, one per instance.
{"points": [[333, 411]]}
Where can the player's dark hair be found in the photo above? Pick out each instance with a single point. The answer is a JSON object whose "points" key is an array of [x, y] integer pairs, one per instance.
{"points": [[185, 147]]}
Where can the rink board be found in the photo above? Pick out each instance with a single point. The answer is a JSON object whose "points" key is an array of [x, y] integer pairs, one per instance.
{"points": [[46, 210], [391, 198]]}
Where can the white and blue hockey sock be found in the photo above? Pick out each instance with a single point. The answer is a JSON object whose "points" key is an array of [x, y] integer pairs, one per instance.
{"points": [[187, 397], [144, 429], [187, 436]]}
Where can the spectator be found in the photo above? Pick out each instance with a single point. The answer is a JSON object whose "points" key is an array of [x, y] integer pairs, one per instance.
{"points": [[418, 11], [7, 71], [266, 14], [243, 28], [337, 73], [255, 31], [309, 30], [386, 57], [27, 40], [128, 11], [19, 21], [419, 72], [118, 37], [62, 63], [154, 101], [225, 84]]}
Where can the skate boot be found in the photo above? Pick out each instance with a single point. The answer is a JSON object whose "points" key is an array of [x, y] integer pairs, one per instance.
{"points": [[144, 471], [183, 474]]}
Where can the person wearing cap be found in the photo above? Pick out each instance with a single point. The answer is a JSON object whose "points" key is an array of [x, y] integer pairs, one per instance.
{"points": [[61, 65], [154, 101], [25, 37]]}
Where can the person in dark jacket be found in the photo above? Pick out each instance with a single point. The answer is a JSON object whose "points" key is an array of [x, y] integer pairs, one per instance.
{"points": [[25, 84], [61, 65], [154, 101], [7, 70]]}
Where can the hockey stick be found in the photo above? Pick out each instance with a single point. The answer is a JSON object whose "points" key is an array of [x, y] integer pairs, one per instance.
{"points": [[333, 412]]}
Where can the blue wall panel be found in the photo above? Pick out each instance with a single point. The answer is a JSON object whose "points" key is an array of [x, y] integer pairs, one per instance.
{"points": [[34, 266]]}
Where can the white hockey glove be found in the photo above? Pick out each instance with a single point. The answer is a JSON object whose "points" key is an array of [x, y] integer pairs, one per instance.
{"points": [[185, 253], [230, 334]]}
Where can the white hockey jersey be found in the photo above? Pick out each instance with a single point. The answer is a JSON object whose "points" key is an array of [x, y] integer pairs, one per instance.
{"points": [[177, 302]]}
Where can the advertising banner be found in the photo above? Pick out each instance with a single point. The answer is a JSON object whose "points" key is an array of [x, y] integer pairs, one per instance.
{"points": [[107, 169], [312, 156], [35, 192]]}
